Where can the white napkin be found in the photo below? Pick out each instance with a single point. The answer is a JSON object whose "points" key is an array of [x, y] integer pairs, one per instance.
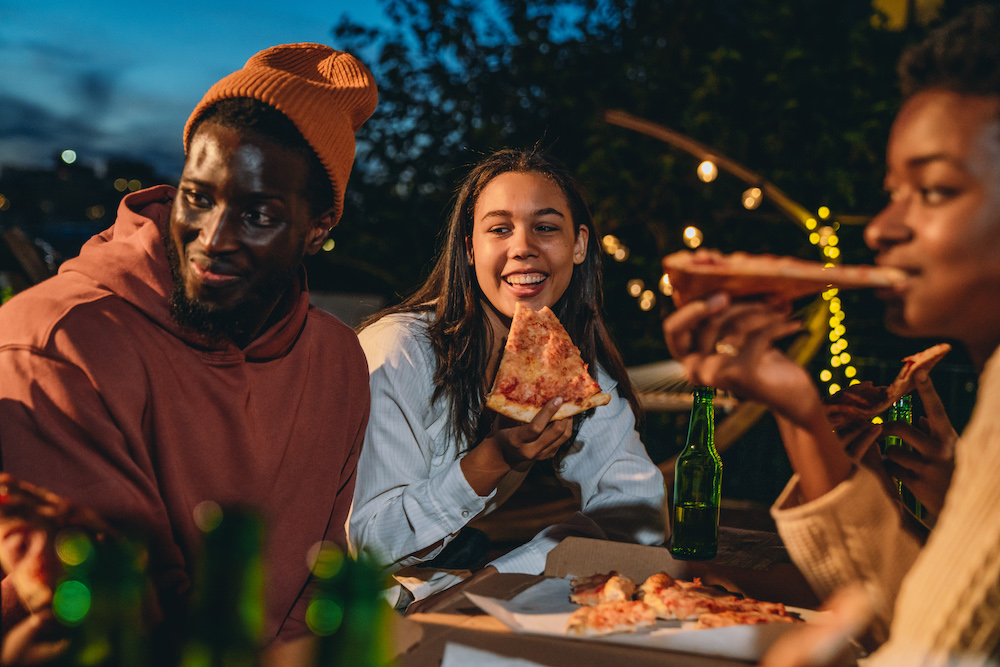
{"points": [[457, 655]]}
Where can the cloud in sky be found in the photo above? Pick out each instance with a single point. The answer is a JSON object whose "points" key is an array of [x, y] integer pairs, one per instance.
{"points": [[115, 80]]}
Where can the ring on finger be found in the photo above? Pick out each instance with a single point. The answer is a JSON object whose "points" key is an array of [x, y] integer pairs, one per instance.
{"points": [[727, 349]]}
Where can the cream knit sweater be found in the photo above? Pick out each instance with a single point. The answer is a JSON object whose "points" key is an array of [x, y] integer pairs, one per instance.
{"points": [[935, 605]]}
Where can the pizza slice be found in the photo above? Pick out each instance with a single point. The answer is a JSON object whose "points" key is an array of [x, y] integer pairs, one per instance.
{"points": [[865, 401], [694, 274], [599, 588], [610, 617], [539, 363], [729, 617], [682, 600]]}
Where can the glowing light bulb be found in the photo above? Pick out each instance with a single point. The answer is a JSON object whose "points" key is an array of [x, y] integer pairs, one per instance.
{"points": [[752, 198], [665, 287], [693, 237], [707, 171]]}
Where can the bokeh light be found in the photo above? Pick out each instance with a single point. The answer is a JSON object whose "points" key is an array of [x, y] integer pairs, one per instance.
{"points": [[71, 602], [323, 616], [693, 236], [73, 546], [635, 287], [207, 515], [707, 171], [665, 287], [68, 156], [325, 559], [752, 198]]}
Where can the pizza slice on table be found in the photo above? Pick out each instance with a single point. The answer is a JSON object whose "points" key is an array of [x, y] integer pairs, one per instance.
{"points": [[539, 363], [599, 588], [610, 618], [694, 274]]}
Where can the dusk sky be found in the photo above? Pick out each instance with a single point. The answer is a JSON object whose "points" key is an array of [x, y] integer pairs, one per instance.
{"points": [[116, 78]]}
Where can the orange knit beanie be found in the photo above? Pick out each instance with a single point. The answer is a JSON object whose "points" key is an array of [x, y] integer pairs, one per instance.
{"points": [[328, 94]]}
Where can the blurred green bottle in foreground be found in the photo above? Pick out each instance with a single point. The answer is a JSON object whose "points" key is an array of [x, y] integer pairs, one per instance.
{"points": [[902, 410], [101, 599], [348, 612], [697, 485], [226, 616]]}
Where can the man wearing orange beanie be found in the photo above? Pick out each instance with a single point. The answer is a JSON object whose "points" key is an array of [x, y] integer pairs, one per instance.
{"points": [[176, 365]]}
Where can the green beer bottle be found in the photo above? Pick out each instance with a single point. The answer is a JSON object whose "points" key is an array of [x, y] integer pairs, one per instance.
{"points": [[902, 410], [348, 613], [226, 619], [101, 599], [697, 485]]}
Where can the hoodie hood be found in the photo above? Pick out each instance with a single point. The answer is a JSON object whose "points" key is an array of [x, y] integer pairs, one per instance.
{"points": [[129, 259]]}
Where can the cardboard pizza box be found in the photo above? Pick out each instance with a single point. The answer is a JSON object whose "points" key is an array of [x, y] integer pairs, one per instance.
{"points": [[751, 562], [764, 577]]}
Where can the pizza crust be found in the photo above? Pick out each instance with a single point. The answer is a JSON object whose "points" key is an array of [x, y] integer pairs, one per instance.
{"points": [[694, 274], [525, 413]]}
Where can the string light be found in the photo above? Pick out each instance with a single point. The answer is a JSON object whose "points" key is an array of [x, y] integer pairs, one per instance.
{"points": [[647, 300], [665, 287], [752, 198], [635, 287], [693, 237], [707, 171]]}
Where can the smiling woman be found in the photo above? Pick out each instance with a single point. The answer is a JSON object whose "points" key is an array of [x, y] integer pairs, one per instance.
{"points": [[435, 458]]}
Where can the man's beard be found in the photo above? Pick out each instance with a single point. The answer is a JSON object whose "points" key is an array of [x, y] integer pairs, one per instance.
{"points": [[219, 324]]}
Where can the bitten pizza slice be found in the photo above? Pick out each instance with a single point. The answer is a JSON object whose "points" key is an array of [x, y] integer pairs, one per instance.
{"points": [[600, 588], [610, 617], [540, 362]]}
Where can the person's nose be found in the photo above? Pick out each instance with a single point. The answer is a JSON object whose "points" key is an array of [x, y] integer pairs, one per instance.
{"points": [[523, 243], [219, 233], [890, 226]]}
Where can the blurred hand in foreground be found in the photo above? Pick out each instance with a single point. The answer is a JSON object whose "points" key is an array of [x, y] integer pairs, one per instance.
{"points": [[828, 639], [31, 521]]}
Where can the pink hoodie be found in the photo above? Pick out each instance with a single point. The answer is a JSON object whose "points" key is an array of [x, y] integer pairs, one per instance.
{"points": [[106, 400]]}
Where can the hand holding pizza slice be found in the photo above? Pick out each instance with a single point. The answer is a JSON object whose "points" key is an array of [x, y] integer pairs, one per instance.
{"points": [[864, 401], [540, 362]]}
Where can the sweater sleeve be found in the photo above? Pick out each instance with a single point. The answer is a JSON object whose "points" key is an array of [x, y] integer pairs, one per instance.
{"points": [[406, 509], [853, 534], [56, 431], [621, 491]]}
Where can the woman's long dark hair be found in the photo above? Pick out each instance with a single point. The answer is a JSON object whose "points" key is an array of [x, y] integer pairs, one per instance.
{"points": [[460, 333]]}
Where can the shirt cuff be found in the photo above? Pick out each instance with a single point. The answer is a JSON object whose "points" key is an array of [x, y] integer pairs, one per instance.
{"points": [[454, 501]]}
